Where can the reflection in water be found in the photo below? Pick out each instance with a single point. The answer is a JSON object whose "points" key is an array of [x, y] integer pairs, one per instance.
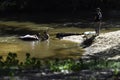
{"points": [[33, 44], [47, 43], [39, 49], [49, 48], [36, 43]]}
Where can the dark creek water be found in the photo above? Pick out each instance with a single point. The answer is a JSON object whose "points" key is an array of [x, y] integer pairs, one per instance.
{"points": [[45, 49], [50, 48]]}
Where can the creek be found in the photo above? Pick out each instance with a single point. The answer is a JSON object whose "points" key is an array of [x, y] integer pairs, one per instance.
{"points": [[52, 48]]}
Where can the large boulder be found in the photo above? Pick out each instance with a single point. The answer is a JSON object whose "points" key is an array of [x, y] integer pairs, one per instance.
{"points": [[74, 38], [82, 38], [105, 45]]}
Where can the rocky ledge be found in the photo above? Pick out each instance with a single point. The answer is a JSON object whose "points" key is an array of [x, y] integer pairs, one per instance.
{"points": [[105, 45], [75, 37]]}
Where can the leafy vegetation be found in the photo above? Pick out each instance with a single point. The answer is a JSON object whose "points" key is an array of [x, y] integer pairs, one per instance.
{"points": [[11, 63]]}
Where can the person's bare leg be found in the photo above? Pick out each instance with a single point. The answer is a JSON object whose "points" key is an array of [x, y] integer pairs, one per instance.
{"points": [[97, 28]]}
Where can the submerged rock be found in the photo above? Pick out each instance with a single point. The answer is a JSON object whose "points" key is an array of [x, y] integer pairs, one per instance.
{"points": [[38, 36], [29, 37]]}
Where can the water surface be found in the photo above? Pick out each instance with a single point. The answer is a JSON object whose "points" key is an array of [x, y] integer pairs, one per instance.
{"points": [[40, 49], [43, 49]]}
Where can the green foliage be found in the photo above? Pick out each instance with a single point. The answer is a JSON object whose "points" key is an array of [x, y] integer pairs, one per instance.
{"points": [[11, 60], [31, 62], [93, 64], [63, 65], [56, 65]]}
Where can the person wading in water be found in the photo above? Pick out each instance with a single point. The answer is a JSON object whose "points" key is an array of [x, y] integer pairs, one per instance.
{"points": [[97, 19]]}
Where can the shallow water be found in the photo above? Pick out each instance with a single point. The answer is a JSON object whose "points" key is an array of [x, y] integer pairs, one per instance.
{"points": [[46, 49], [50, 48]]}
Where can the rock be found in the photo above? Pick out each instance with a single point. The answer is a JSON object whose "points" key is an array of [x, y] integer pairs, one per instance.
{"points": [[29, 37], [44, 36], [74, 38], [89, 33], [105, 44], [61, 35], [86, 37]]}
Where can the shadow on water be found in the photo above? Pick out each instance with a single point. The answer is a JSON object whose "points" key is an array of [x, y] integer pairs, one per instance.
{"points": [[47, 18], [68, 52], [78, 20], [10, 30], [37, 17]]}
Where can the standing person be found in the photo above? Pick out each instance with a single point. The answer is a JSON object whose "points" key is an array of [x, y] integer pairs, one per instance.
{"points": [[97, 19]]}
